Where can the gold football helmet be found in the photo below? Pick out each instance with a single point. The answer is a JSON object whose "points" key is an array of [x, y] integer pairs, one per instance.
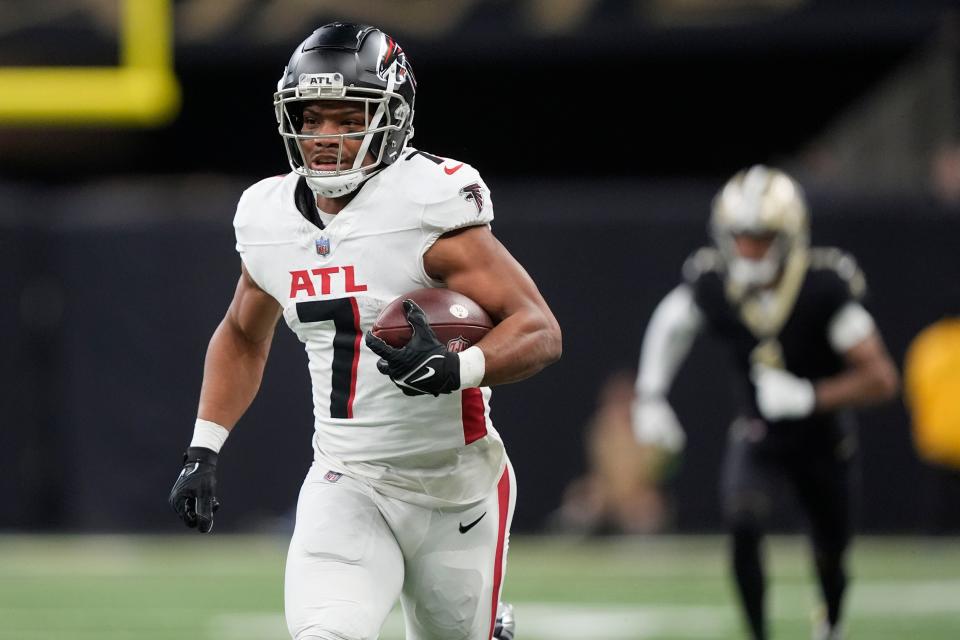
{"points": [[760, 202]]}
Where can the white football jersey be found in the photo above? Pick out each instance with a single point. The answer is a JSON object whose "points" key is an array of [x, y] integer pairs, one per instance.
{"points": [[332, 284]]}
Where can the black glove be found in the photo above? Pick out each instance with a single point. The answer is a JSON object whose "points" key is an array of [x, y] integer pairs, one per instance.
{"points": [[423, 365], [193, 496]]}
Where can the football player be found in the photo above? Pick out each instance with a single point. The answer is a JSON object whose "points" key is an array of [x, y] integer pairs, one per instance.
{"points": [[411, 493], [805, 350]]}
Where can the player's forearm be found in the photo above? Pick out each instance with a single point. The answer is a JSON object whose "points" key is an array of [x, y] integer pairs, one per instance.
{"points": [[232, 373], [861, 386], [519, 346]]}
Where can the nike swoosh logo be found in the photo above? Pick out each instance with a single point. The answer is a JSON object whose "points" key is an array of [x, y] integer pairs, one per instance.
{"points": [[452, 170], [186, 471], [465, 528], [428, 374]]}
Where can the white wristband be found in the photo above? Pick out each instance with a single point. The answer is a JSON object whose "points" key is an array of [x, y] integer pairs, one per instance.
{"points": [[473, 365], [209, 435]]}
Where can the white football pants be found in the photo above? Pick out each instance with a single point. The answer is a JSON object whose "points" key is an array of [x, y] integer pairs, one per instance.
{"points": [[354, 551]]}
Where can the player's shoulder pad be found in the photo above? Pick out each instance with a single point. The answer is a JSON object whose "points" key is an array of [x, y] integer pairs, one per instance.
{"points": [[701, 262], [258, 204], [835, 263], [451, 192]]}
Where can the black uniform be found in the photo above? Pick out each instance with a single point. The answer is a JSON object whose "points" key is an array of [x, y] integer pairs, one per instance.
{"points": [[813, 456]]}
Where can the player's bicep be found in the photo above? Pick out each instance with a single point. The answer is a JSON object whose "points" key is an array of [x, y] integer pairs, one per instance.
{"points": [[870, 358], [253, 313], [473, 262], [867, 352]]}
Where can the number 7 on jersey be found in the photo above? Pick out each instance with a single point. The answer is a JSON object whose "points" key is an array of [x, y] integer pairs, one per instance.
{"points": [[346, 348]]}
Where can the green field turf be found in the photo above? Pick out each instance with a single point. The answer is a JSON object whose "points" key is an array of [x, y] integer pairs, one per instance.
{"points": [[230, 587]]}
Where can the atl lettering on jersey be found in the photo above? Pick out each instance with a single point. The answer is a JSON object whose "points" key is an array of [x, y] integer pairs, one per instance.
{"points": [[310, 281]]}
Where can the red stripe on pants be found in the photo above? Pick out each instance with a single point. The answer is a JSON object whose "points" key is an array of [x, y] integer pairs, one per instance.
{"points": [[503, 498]]}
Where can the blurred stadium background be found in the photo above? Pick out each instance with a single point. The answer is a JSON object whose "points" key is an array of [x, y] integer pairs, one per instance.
{"points": [[128, 129]]}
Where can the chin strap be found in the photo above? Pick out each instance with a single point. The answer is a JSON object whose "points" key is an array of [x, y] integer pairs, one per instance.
{"points": [[336, 186]]}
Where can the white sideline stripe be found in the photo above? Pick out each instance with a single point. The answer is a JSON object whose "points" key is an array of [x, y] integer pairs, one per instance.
{"points": [[247, 626], [556, 621], [895, 598], [573, 621], [875, 599]]}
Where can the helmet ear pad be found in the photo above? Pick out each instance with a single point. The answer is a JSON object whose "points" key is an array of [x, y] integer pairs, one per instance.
{"points": [[395, 112]]}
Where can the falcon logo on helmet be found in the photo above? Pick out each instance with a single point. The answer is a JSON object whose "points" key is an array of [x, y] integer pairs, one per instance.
{"points": [[392, 60]]}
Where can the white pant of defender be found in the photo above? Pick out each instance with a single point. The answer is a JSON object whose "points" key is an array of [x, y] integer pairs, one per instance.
{"points": [[355, 551]]}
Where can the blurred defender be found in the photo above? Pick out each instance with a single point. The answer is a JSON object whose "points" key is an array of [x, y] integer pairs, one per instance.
{"points": [[411, 493], [804, 349]]}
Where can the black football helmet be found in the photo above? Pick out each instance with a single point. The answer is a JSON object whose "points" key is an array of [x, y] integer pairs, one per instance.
{"points": [[344, 61]]}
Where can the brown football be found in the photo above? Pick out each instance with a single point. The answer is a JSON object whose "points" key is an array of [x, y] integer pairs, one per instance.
{"points": [[458, 321]]}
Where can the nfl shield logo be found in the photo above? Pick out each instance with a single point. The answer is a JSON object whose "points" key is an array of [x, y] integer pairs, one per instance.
{"points": [[332, 476], [458, 344], [323, 246]]}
